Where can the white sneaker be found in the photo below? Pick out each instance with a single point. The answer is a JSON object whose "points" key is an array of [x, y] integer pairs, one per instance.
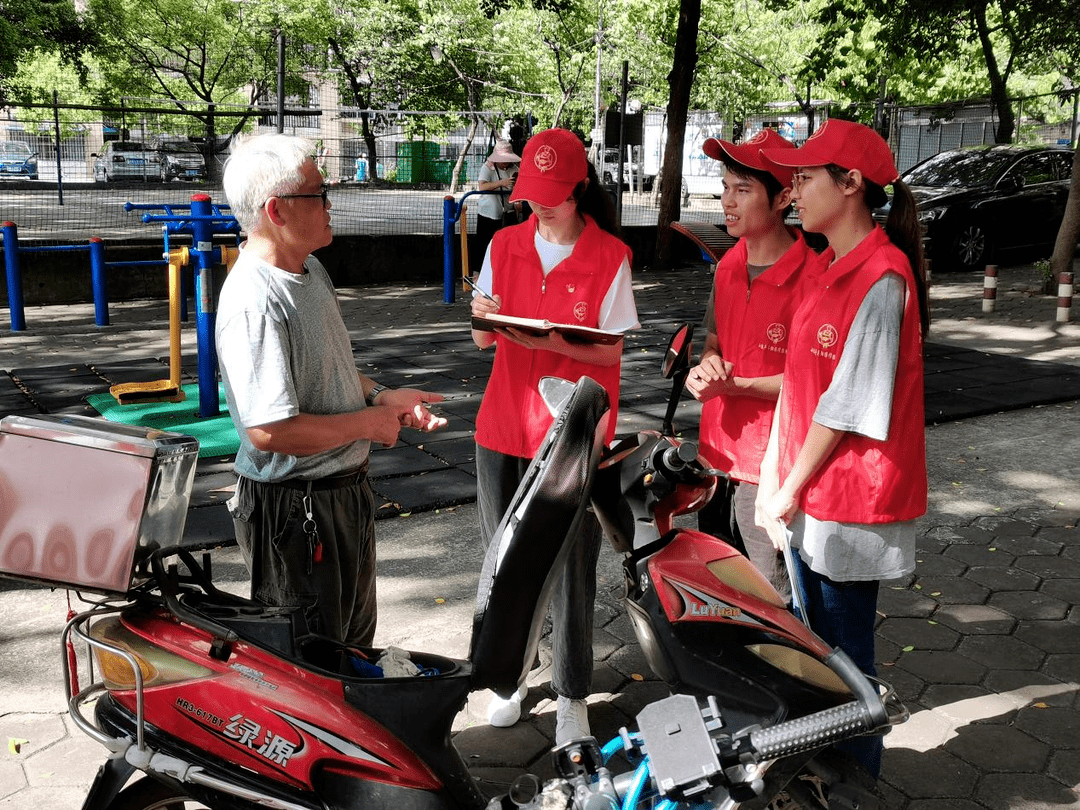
{"points": [[571, 720], [504, 712]]}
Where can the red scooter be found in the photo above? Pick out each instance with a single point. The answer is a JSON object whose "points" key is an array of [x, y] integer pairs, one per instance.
{"points": [[228, 703]]}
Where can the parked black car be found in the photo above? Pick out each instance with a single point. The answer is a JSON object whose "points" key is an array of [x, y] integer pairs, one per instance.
{"points": [[181, 159], [982, 204]]}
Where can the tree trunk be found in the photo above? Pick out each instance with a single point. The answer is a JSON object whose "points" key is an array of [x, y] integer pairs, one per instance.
{"points": [[999, 91], [681, 78], [1069, 232], [455, 172], [370, 144]]}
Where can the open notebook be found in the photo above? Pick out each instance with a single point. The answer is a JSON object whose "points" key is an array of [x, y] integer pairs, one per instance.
{"points": [[537, 326]]}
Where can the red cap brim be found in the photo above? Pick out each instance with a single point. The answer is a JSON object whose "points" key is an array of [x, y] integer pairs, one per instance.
{"points": [[541, 191]]}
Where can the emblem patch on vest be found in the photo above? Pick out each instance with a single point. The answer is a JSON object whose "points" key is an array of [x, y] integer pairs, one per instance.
{"points": [[545, 158], [581, 309], [827, 336], [776, 332]]}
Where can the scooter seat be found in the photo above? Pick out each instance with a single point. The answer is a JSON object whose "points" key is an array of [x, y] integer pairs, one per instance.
{"points": [[533, 540]]}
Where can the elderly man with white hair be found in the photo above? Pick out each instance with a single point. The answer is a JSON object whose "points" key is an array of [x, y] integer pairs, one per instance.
{"points": [[306, 418]]}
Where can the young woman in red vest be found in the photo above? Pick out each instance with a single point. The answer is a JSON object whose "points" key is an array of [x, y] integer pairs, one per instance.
{"points": [[566, 264], [844, 476]]}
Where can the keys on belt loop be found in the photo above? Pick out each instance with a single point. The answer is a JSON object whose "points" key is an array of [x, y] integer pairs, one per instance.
{"points": [[311, 529]]}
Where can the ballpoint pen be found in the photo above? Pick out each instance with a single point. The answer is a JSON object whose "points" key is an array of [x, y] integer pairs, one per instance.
{"points": [[472, 284]]}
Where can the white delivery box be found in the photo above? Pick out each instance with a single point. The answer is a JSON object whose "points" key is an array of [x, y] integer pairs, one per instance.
{"points": [[83, 499]]}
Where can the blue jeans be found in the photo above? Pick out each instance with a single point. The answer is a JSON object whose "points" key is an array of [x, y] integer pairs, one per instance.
{"points": [[844, 614], [498, 476]]}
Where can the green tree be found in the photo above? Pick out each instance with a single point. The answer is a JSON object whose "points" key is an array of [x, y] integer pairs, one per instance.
{"points": [[198, 54], [1010, 37], [29, 26], [42, 73]]}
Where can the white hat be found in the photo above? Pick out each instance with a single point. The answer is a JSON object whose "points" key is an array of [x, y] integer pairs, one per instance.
{"points": [[502, 153]]}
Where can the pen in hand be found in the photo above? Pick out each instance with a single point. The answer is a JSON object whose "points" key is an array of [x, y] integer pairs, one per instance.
{"points": [[472, 284]]}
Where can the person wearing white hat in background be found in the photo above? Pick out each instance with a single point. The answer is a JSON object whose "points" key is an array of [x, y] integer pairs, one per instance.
{"points": [[497, 174]]}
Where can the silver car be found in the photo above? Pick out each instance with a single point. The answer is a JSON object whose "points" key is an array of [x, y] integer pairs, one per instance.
{"points": [[126, 160]]}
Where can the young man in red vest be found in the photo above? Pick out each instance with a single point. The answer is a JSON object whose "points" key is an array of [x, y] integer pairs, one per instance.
{"points": [[755, 292]]}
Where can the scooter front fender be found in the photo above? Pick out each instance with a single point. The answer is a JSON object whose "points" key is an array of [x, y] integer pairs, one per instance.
{"points": [[110, 780]]}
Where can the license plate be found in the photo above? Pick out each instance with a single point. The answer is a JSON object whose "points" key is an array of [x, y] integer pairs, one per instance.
{"points": [[136, 161], [192, 172]]}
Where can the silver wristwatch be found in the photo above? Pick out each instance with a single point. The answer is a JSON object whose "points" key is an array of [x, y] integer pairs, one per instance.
{"points": [[373, 393]]}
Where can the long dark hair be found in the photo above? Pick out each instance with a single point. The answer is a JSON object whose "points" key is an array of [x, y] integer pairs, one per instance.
{"points": [[902, 227], [593, 199]]}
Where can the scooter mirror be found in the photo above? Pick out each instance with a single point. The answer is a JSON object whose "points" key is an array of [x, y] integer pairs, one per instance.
{"points": [[555, 392], [676, 367], [677, 356]]}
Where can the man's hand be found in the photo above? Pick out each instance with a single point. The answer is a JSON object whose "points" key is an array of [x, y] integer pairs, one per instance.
{"points": [[710, 378], [382, 424], [410, 407]]}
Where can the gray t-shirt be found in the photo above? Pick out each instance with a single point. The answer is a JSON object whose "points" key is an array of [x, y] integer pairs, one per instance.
{"points": [[283, 350]]}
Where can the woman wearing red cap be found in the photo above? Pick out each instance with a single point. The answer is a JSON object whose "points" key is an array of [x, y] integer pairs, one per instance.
{"points": [[844, 476], [567, 265]]}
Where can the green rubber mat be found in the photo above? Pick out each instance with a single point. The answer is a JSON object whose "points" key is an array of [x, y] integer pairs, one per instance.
{"points": [[216, 434]]}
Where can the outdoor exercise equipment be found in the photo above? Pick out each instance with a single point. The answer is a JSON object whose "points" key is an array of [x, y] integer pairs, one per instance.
{"points": [[453, 211], [202, 221], [162, 390], [98, 277]]}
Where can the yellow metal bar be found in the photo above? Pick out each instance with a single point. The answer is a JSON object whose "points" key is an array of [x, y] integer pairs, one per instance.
{"points": [[464, 246]]}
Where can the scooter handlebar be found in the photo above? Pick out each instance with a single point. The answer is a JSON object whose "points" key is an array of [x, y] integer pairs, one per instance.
{"points": [[677, 456], [812, 731]]}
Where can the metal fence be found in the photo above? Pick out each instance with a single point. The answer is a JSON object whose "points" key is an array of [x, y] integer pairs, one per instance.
{"points": [[918, 133], [415, 157]]}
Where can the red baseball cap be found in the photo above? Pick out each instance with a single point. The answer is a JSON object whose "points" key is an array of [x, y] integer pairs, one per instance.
{"points": [[748, 153], [552, 163], [846, 144]]}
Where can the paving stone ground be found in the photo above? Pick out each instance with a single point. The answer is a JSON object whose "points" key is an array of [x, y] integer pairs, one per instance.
{"points": [[983, 642]]}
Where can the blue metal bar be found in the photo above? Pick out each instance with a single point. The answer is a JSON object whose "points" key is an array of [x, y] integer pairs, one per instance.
{"points": [[169, 207], [99, 282], [451, 212], [14, 277], [451, 215], [50, 248], [202, 235]]}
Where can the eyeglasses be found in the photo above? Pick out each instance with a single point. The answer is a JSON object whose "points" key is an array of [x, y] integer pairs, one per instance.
{"points": [[798, 179], [324, 192]]}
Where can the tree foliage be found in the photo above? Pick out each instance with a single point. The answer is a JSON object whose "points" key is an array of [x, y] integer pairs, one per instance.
{"points": [[31, 26], [898, 37]]}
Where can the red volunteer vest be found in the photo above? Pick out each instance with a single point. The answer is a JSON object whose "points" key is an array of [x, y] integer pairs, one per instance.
{"points": [[864, 480], [752, 326], [513, 418]]}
